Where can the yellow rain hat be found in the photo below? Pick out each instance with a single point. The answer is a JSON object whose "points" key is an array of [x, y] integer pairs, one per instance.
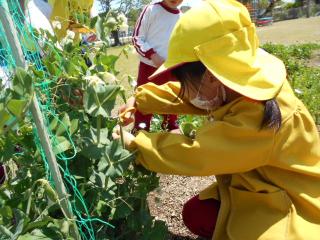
{"points": [[220, 34]]}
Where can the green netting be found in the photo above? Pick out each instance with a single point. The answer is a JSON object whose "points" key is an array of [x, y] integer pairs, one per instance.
{"points": [[6, 60], [32, 53]]}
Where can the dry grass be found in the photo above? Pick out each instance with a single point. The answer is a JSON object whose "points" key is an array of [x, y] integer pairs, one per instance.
{"points": [[302, 30]]}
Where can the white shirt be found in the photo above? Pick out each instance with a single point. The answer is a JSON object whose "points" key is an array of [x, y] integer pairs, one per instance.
{"points": [[38, 15], [153, 30]]}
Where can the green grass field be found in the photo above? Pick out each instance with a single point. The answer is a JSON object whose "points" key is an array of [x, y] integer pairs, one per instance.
{"points": [[126, 65]]}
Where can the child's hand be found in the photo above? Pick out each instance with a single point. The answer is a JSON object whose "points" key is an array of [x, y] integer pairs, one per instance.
{"points": [[126, 112], [157, 60], [126, 115], [128, 138]]}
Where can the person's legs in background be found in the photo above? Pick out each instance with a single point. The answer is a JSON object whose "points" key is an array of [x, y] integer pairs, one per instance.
{"points": [[142, 121], [200, 216], [169, 121]]}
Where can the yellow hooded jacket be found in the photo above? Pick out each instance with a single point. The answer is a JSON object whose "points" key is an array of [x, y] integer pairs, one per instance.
{"points": [[268, 181]]}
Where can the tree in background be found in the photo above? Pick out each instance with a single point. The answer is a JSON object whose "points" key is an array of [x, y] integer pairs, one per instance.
{"points": [[123, 6], [106, 4], [306, 4], [267, 6], [133, 11], [117, 8]]}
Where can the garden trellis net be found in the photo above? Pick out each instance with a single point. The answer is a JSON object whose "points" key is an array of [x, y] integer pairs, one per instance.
{"points": [[29, 42]]}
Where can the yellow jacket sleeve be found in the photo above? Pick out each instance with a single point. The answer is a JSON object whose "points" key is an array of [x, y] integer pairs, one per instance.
{"points": [[234, 143], [163, 99]]}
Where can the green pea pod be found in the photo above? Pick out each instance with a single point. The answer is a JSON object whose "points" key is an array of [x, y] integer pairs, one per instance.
{"points": [[50, 192]]}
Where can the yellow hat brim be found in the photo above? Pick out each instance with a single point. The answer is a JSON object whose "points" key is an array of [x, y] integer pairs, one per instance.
{"points": [[247, 70], [239, 64], [164, 69], [261, 81]]}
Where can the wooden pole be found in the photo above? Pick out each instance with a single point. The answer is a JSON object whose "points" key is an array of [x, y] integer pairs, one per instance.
{"points": [[18, 56]]}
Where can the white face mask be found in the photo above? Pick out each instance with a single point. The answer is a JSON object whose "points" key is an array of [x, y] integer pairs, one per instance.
{"points": [[211, 104]]}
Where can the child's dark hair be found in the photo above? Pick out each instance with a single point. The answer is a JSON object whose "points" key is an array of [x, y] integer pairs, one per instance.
{"points": [[189, 74], [272, 115]]}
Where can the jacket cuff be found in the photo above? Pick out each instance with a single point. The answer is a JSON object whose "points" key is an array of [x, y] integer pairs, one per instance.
{"points": [[149, 53]]}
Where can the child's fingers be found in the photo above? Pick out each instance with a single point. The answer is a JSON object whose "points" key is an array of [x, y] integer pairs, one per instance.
{"points": [[122, 108], [115, 136], [127, 116], [126, 121], [116, 132]]}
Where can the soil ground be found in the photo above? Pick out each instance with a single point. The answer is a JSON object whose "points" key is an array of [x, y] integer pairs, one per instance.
{"points": [[167, 201]]}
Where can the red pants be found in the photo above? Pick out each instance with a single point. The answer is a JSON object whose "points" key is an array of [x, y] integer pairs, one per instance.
{"points": [[142, 121], [200, 216]]}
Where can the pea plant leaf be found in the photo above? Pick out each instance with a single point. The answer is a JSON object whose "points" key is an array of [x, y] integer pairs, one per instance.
{"points": [[99, 99]]}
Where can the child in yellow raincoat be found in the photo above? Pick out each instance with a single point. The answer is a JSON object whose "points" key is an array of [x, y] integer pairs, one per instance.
{"points": [[262, 146]]}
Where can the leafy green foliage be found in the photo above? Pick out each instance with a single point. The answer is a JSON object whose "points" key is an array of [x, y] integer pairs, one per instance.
{"points": [[303, 78], [189, 124], [15, 101], [113, 187]]}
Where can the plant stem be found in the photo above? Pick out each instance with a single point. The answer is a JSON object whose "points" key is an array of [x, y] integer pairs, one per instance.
{"points": [[121, 136], [99, 119], [6, 231]]}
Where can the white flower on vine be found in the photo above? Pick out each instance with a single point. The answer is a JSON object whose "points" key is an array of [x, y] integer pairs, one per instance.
{"points": [[122, 18], [108, 77], [56, 24], [94, 80], [70, 34], [111, 21], [133, 83], [65, 41], [124, 27], [68, 38]]}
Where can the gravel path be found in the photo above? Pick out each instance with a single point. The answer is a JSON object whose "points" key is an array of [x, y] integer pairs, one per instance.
{"points": [[167, 201]]}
